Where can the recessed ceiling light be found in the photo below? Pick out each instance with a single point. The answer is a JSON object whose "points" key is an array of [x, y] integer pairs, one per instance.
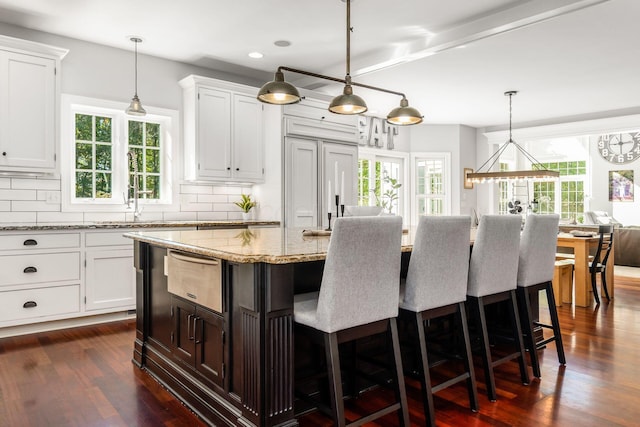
{"points": [[462, 46], [255, 55], [282, 43]]}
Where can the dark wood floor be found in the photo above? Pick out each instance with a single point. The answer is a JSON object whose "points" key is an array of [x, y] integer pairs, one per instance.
{"points": [[84, 377]]}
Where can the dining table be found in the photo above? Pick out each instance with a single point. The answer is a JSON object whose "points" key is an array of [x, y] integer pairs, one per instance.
{"points": [[582, 246]]}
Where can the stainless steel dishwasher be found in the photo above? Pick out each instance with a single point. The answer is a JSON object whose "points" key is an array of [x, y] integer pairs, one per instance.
{"points": [[196, 279]]}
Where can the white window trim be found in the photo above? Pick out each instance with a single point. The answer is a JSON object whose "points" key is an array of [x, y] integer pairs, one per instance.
{"points": [[373, 154], [446, 157], [72, 104]]}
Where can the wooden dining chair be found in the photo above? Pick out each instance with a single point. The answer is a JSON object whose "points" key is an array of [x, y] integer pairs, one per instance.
{"points": [[598, 264], [358, 297], [436, 286]]}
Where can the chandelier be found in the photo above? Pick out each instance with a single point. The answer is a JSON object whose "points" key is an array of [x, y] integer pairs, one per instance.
{"points": [[537, 172]]}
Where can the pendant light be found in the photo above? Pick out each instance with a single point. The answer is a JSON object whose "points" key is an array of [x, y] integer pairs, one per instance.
{"points": [[280, 92], [537, 172], [135, 108]]}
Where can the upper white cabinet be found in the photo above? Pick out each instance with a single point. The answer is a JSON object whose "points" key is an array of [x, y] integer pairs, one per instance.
{"points": [[223, 137], [29, 93]]}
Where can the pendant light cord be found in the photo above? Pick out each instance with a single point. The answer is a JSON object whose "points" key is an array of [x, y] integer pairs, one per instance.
{"points": [[510, 113], [135, 43], [348, 37]]}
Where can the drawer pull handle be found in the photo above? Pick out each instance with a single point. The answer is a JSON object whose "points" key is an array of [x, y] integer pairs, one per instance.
{"points": [[30, 304], [193, 259], [30, 270], [192, 296], [30, 242]]}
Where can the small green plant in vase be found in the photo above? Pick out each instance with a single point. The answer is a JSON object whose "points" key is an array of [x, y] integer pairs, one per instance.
{"points": [[246, 204]]}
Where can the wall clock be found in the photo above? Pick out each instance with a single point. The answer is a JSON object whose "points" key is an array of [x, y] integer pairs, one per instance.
{"points": [[619, 148]]}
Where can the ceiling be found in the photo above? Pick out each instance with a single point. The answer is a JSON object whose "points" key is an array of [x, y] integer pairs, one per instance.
{"points": [[454, 59]]}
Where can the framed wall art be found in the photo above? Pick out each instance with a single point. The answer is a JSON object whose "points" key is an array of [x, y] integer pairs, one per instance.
{"points": [[621, 186]]}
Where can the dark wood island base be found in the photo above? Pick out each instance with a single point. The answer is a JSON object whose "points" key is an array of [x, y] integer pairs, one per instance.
{"points": [[239, 369]]}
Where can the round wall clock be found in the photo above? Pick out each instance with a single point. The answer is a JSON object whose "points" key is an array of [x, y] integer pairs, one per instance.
{"points": [[619, 148]]}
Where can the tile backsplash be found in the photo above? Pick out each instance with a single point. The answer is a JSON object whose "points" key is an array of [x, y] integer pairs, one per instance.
{"points": [[38, 200]]}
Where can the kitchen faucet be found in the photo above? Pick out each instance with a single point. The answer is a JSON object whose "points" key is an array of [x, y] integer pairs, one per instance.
{"points": [[137, 211]]}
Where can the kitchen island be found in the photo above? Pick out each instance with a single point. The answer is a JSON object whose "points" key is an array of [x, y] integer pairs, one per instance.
{"points": [[231, 364]]}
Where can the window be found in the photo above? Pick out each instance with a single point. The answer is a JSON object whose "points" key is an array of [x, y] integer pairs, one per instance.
{"points": [[570, 198], [380, 181], [105, 143], [503, 203], [93, 156], [144, 143], [432, 184]]}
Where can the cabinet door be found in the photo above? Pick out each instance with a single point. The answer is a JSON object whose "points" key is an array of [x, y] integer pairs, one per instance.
{"points": [[344, 158], [248, 146], [27, 109], [110, 280], [214, 134], [184, 325], [301, 178], [210, 345]]}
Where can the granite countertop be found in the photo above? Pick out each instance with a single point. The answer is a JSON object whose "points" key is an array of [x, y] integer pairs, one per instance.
{"points": [[268, 245], [104, 225]]}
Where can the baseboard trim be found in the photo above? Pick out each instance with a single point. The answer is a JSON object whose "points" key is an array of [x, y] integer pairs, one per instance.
{"points": [[32, 328]]}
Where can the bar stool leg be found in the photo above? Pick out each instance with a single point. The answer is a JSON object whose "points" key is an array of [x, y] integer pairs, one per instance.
{"points": [[468, 360], [524, 373], [335, 379], [525, 303], [401, 392], [487, 363], [555, 323], [425, 378]]}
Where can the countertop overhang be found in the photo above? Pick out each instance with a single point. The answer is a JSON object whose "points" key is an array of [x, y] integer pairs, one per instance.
{"points": [[251, 245]]}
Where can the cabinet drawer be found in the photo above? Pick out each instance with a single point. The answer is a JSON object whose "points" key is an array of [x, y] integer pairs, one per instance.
{"points": [[39, 268], [108, 239], [195, 279], [41, 302], [39, 241]]}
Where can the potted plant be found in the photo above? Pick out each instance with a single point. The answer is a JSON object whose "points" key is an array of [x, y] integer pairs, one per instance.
{"points": [[388, 199], [246, 204]]}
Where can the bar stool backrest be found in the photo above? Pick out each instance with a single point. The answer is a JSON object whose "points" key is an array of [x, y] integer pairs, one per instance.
{"points": [[439, 263], [361, 278], [494, 259], [538, 249]]}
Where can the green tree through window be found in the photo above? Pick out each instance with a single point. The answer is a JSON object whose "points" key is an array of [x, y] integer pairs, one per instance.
{"points": [[144, 141], [94, 156], [570, 199]]}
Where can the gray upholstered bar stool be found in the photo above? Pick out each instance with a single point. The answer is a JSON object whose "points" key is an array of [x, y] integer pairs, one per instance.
{"points": [[358, 297], [436, 286], [535, 273], [493, 271]]}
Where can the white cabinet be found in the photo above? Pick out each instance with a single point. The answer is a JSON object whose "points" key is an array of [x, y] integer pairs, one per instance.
{"points": [[302, 182], [310, 165], [316, 143], [40, 277], [223, 136], [110, 279], [109, 275], [29, 93]]}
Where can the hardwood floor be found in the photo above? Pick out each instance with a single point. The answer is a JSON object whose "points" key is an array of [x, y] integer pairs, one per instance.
{"points": [[84, 377]]}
